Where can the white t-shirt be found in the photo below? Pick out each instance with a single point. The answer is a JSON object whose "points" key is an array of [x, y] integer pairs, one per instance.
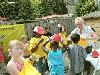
{"points": [[94, 61], [86, 34]]}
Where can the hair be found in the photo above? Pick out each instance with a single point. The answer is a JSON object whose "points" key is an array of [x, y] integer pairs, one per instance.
{"points": [[79, 19], [46, 28], [93, 29], [13, 44], [88, 49], [75, 38], [54, 44], [23, 37]]}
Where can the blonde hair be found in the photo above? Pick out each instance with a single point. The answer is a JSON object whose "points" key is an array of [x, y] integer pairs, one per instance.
{"points": [[79, 19], [13, 44], [23, 37]]}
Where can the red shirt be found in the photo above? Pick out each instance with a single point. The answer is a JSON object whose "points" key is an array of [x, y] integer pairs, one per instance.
{"points": [[1, 55]]}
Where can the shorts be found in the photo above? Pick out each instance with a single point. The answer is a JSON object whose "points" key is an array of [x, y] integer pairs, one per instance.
{"points": [[56, 70]]}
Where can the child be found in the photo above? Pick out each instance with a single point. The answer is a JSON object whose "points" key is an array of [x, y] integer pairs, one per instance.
{"points": [[23, 39], [77, 56], [94, 58], [55, 57], [62, 31], [35, 47], [88, 68], [16, 66], [47, 33], [3, 70]]}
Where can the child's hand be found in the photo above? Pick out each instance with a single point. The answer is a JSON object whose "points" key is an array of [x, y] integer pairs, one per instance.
{"points": [[49, 39], [33, 58], [62, 41], [34, 49], [41, 40]]}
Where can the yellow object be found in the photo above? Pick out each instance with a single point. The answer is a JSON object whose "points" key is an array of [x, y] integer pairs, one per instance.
{"points": [[82, 42], [39, 52], [63, 35], [10, 32], [28, 69]]}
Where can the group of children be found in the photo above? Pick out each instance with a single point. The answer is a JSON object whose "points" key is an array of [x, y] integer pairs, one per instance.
{"points": [[42, 49]]}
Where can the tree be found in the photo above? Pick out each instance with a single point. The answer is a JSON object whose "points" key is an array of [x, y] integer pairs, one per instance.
{"points": [[84, 7], [49, 7], [20, 9], [30, 9]]}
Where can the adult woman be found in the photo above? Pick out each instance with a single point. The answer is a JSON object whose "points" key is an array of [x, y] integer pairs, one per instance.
{"points": [[86, 33]]}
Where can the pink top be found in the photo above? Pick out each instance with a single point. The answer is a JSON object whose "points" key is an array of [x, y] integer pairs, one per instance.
{"points": [[19, 65]]}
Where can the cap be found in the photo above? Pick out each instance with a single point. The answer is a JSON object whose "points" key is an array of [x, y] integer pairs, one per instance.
{"points": [[38, 30], [56, 38], [95, 54]]}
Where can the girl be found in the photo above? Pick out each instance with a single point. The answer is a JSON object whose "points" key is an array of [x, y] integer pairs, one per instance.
{"points": [[55, 57], [16, 65], [23, 39]]}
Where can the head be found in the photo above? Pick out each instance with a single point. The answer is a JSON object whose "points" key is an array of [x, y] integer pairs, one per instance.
{"points": [[88, 49], [75, 38], [54, 45], [23, 38], [56, 38], [79, 22], [15, 49], [39, 31]]}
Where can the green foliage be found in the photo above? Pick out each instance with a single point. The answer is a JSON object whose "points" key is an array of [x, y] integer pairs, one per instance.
{"points": [[53, 7], [84, 7], [20, 9], [48, 7], [30, 9]]}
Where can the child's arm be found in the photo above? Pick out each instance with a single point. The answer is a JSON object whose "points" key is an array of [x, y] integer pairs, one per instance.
{"points": [[44, 48], [36, 46], [33, 58], [65, 48]]}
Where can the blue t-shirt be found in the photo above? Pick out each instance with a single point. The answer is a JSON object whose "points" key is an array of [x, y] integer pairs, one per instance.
{"points": [[55, 58]]}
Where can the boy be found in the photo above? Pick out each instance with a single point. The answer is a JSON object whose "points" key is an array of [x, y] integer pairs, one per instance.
{"points": [[94, 58], [36, 50], [77, 56]]}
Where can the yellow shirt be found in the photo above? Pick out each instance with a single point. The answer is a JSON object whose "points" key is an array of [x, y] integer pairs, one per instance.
{"points": [[63, 35], [39, 52], [82, 42]]}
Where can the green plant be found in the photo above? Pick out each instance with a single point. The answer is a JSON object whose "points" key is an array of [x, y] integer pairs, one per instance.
{"points": [[84, 7]]}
